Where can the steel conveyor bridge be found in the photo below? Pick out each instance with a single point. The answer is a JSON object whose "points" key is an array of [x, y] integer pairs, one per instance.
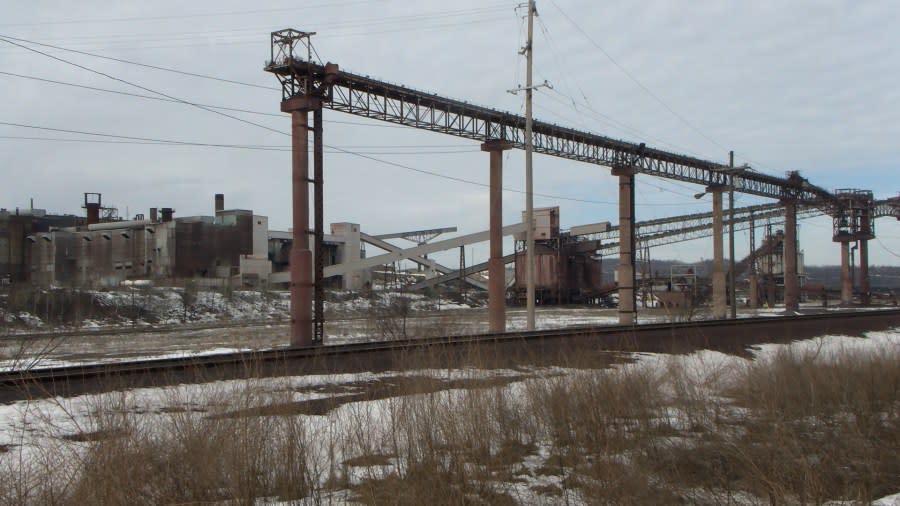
{"points": [[368, 97]]}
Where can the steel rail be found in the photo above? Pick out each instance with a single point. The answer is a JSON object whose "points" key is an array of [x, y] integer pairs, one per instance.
{"points": [[15, 381], [371, 98]]}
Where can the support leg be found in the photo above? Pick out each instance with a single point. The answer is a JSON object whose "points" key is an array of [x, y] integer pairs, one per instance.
{"points": [[301, 256], [319, 228], [846, 283], [496, 267], [718, 266], [791, 284], [865, 289], [627, 314]]}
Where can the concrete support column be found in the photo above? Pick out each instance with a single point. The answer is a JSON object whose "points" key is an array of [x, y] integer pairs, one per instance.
{"points": [[791, 283], [846, 282], [627, 313], [496, 267], [865, 290], [719, 305], [301, 255]]}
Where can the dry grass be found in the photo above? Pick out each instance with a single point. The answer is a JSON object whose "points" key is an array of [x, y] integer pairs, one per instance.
{"points": [[796, 428]]}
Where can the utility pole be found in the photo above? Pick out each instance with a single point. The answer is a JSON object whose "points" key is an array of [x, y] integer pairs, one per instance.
{"points": [[529, 188], [733, 275]]}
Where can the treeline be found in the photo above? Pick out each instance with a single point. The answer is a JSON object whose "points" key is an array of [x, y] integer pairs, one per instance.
{"points": [[884, 277]]}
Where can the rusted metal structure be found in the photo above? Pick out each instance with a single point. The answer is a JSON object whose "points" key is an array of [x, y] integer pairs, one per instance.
{"points": [[303, 89], [92, 204], [566, 269], [321, 85], [854, 222], [371, 98], [230, 247]]}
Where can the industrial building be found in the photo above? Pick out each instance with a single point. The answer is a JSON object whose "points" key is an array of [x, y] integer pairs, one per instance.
{"points": [[232, 247], [566, 266]]}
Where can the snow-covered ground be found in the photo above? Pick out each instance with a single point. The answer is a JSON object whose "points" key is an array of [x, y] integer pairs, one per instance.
{"points": [[29, 429], [166, 322]]}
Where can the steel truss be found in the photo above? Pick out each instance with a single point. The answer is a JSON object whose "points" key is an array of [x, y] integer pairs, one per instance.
{"points": [[394, 103], [677, 229]]}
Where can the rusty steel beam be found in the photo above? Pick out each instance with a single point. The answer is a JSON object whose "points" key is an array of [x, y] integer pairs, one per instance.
{"points": [[301, 256], [368, 97], [791, 282], [319, 229], [302, 92]]}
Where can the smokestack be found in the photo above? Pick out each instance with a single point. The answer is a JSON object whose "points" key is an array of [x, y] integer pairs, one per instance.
{"points": [[92, 202], [220, 202], [167, 213], [153, 215]]}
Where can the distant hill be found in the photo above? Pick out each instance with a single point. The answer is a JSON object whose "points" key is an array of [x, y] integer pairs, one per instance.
{"points": [[881, 276]]}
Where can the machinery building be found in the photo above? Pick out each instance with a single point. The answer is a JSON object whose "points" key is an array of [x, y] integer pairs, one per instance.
{"points": [[566, 266], [233, 247], [15, 226]]}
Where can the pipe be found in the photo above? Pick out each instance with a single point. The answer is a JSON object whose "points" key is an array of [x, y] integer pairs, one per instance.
{"points": [[115, 225]]}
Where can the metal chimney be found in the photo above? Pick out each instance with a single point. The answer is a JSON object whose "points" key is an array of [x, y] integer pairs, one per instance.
{"points": [[154, 216], [167, 213], [92, 203], [220, 202]]}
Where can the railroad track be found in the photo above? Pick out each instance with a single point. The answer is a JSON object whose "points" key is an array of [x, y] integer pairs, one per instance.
{"points": [[731, 336]]}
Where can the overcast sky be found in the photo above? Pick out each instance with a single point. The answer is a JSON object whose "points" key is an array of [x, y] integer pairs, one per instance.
{"points": [[811, 86]]}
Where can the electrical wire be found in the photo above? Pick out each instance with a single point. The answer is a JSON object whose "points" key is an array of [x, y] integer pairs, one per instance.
{"points": [[162, 142], [408, 22], [337, 150], [88, 69], [137, 95], [877, 239], [376, 124], [184, 16], [634, 79], [242, 120], [144, 65]]}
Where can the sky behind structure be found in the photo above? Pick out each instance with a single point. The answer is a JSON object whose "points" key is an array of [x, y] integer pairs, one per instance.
{"points": [[809, 86]]}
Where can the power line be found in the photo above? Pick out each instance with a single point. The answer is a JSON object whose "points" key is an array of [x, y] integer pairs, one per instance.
{"points": [[162, 142], [136, 95], [624, 127], [369, 157], [886, 248], [63, 60], [337, 150], [634, 79], [145, 65], [163, 99], [247, 34], [181, 16], [150, 140], [141, 139]]}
